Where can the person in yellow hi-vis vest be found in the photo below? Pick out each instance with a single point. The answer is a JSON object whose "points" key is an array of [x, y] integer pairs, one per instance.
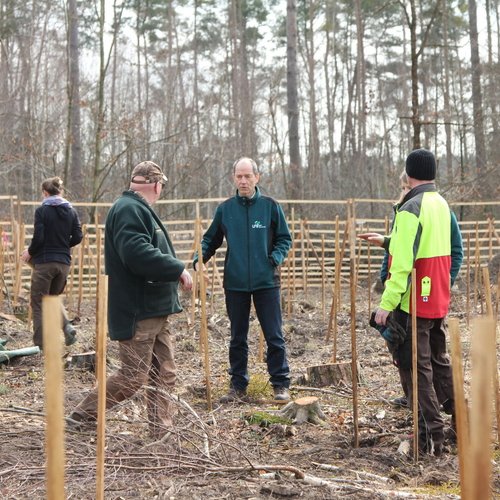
{"points": [[421, 239]]}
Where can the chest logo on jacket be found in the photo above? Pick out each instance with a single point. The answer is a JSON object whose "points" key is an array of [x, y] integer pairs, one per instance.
{"points": [[258, 225]]}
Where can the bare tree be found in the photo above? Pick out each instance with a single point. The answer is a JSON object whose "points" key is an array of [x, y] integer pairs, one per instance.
{"points": [[295, 188]]}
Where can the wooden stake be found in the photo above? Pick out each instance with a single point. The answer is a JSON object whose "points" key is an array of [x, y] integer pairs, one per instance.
{"points": [[203, 319], [303, 258], [54, 383], [2, 266], [467, 308], [460, 408], [487, 292], [476, 267], [353, 283], [414, 366], [369, 280], [81, 257], [483, 363], [292, 291], [323, 278], [101, 333]]}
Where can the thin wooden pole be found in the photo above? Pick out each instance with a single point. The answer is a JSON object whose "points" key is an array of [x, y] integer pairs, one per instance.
{"points": [[467, 281], [2, 266], [369, 280], [354, 361], [414, 365], [81, 265], [54, 383], [102, 294], [460, 408], [303, 258], [487, 292], [476, 267], [483, 363], [323, 278], [203, 320], [292, 294], [21, 235]]}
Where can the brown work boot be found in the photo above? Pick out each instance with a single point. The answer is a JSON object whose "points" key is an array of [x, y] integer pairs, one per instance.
{"points": [[234, 395]]}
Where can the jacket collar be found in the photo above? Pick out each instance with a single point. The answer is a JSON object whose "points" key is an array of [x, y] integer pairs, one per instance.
{"points": [[422, 188], [248, 201]]}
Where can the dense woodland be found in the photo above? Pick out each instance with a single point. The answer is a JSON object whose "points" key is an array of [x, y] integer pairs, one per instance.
{"points": [[327, 95]]}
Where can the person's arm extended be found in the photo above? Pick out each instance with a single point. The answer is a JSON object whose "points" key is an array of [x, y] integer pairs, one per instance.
{"points": [[212, 239], [457, 250]]}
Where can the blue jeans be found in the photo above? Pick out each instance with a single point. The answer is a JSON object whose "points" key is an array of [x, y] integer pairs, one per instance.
{"points": [[268, 308]]}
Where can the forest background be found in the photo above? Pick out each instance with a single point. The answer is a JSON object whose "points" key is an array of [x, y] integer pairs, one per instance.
{"points": [[328, 96]]}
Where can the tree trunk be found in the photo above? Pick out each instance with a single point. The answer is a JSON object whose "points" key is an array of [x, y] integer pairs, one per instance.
{"points": [[477, 99], [292, 100], [74, 177]]}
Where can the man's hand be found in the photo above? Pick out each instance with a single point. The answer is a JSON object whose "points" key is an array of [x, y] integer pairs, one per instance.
{"points": [[186, 280], [374, 238], [381, 316], [25, 256]]}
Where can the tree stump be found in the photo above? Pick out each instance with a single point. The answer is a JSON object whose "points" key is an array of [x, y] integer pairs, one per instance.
{"points": [[332, 374], [304, 410]]}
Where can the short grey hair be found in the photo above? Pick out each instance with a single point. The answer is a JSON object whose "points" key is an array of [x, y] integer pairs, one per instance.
{"points": [[252, 162]]}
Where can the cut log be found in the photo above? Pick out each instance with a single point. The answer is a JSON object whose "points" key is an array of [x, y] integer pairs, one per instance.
{"points": [[304, 410], [332, 374], [83, 361]]}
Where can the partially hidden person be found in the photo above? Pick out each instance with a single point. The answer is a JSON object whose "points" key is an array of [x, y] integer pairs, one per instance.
{"points": [[57, 229]]}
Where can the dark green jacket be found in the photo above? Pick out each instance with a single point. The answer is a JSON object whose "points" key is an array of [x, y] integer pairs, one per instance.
{"points": [[257, 238], [141, 264]]}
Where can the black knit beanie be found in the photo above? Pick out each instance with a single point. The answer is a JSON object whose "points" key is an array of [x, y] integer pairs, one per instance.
{"points": [[421, 165]]}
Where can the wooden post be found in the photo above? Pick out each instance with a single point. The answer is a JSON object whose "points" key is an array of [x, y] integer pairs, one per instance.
{"points": [[467, 281], [19, 263], [291, 293], [483, 364], [487, 292], [81, 265], [332, 326], [2, 265], [303, 258], [476, 267], [323, 278], [353, 283], [369, 280], [414, 358], [98, 274], [203, 320], [101, 333], [460, 408], [54, 383]]}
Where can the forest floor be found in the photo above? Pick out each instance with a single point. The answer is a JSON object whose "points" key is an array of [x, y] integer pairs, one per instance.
{"points": [[222, 453]]}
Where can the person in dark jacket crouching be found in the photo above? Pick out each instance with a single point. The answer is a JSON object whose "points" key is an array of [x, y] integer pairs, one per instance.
{"points": [[144, 275], [258, 240], [57, 228]]}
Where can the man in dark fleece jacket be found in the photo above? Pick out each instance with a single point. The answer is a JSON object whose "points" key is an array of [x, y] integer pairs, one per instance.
{"points": [[144, 275], [258, 241], [57, 228]]}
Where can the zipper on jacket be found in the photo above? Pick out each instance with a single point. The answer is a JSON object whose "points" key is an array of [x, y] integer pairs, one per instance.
{"points": [[247, 206]]}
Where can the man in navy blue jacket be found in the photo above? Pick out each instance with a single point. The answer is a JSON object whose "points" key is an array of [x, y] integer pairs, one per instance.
{"points": [[258, 240]]}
